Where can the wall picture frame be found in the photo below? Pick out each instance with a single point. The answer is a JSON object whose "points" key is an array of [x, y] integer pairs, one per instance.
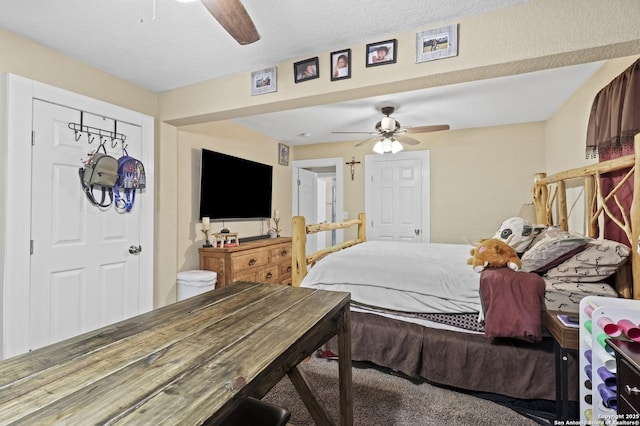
{"points": [[283, 154], [437, 43], [381, 53], [340, 64], [264, 81], [306, 70]]}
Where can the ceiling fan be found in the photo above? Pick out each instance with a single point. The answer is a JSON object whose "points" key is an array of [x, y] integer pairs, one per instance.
{"points": [[234, 18], [391, 135]]}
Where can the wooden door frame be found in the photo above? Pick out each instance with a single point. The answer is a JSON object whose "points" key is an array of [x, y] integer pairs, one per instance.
{"points": [[19, 93]]}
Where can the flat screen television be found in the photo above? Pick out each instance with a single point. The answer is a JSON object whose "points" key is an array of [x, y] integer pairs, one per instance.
{"points": [[233, 188]]}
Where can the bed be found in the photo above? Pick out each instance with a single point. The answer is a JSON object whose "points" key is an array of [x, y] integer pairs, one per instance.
{"points": [[435, 327]]}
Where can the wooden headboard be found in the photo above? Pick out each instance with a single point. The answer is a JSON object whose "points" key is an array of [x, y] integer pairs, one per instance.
{"points": [[550, 199]]}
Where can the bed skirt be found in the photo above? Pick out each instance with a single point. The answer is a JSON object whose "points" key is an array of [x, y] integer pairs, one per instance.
{"points": [[461, 360]]}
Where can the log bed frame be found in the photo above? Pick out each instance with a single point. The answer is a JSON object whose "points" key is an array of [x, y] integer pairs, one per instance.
{"points": [[549, 196]]}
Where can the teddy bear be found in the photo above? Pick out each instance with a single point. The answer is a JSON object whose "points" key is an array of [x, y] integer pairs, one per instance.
{"points": [[494, 253]]}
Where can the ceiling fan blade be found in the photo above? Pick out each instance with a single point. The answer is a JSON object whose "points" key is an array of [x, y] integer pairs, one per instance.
{"points": [[406, 140], [426, 129], [234, 18], [366, 140]]}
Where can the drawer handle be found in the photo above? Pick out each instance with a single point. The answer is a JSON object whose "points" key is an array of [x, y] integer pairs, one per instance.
{"points": [[284, 253], [269, 275], [289, 269], [252, 262], [631, 390]]}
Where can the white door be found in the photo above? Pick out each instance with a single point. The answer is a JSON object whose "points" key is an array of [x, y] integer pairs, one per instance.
{"points": [[308, 203], [82, 273], [397, 196]]}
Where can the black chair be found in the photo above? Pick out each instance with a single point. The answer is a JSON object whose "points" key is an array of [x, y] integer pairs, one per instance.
{"points": [[255, 412]]}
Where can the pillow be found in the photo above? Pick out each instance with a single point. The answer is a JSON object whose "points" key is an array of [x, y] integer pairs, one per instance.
{"points": [[517, 232], [599, 260], [550, 248]]}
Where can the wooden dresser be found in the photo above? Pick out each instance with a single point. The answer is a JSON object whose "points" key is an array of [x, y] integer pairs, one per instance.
{"points": [[262, 261]]}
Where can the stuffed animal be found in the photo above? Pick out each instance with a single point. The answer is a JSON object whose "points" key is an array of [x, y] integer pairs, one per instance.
{"points": [[494, 253]]}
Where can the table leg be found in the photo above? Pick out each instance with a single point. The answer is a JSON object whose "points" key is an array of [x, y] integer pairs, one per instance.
{"points": [[562, 381], [344, 366], [558, 366]]}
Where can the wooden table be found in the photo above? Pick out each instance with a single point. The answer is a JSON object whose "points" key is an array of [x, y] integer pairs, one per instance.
{"points": [[184, 363], [567, 339]]}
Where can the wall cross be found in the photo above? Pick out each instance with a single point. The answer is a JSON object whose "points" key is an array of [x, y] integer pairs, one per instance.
{"points": [[353, 163]]}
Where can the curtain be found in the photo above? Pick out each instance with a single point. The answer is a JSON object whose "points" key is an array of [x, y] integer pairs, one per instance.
{"points": [[613, 122], [615, 116]]}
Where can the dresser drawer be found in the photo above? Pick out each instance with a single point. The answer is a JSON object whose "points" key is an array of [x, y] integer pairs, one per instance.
{"points": [[285, 269], [253, 259], [628, 383], [281, 253], [286, 281], [247, 276], [268, 275]]}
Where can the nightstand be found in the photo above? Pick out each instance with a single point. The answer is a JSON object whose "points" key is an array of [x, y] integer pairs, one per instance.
{"points": [[567, 340], [627, 378]]}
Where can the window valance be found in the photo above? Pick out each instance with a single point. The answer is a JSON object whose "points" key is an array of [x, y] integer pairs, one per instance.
{"points": [[615, 115]]}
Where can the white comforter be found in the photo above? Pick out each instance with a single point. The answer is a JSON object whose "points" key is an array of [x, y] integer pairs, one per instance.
{"points": [[408, 277]]}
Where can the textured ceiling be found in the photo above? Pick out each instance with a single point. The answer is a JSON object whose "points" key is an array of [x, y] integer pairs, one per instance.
{"points": [[164, 44]]}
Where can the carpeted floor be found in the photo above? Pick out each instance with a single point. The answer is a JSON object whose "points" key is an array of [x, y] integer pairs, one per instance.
{"points": [[381, 398]]}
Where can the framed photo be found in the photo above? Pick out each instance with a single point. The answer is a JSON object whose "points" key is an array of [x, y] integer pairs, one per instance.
{"points": [[263, 81], [436, 44], [306, 70], [382, 53], [283, 154], [341, 64]]}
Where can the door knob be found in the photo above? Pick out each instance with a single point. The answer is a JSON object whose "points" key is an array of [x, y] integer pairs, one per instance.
{"points": [[135, 249]]}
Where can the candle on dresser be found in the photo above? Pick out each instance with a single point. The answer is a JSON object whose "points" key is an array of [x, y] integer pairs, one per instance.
{"points": [[205, 224], [276, 214]]}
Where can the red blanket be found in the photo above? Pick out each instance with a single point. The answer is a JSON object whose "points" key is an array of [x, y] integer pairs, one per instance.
{"points": [[513, 303]]}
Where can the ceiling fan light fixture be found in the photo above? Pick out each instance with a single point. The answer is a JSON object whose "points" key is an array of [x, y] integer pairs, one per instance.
{"points": [[396, 147], [387, 145], [388, 124]]}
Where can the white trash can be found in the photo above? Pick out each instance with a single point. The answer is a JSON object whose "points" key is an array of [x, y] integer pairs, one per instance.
{"points": [[192, 283]]}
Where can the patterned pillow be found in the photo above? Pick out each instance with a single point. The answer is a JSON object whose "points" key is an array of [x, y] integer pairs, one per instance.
{"points": [[552, 247], [599, 260]]}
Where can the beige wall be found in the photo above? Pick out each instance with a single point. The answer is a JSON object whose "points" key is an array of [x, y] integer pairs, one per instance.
{"points": [[30, 60], [246, 144], [535, 35], [479, 177]]}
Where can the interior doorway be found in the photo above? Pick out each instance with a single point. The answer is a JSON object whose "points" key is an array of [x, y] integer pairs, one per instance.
{"points": [[317, 194]]}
